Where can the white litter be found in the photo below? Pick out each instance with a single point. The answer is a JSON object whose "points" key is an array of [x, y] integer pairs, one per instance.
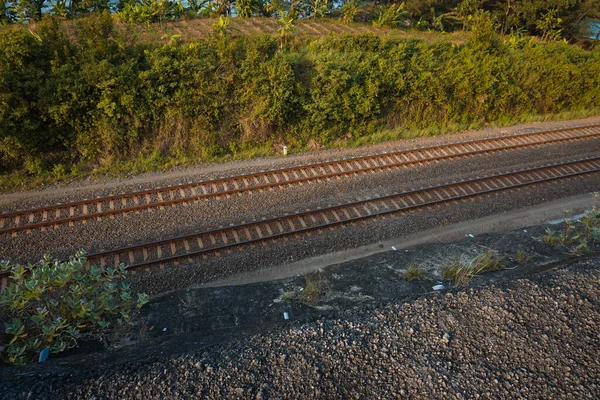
{"points": [[525, 230], [439, 287], [164, 329], [394, 248], [286, 315], [471, 235]]}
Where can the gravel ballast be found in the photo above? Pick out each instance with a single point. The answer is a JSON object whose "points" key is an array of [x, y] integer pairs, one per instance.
{"points": [[529, 338], [159, 224]]}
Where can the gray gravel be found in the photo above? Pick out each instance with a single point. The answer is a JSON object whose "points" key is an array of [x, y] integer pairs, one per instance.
{"points": [[147, 226], [532, 338]]}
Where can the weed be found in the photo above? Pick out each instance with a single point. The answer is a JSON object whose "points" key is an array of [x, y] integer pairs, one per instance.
{"points": [[415, 272], [315, 288], [289, 296], [461, 272], [577, 237], [522, 257]]}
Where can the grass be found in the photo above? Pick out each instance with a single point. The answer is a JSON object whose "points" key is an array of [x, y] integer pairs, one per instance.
{"points": [[289, 296], [578, 237], [415, 272], [152, 162], [461, 272], [522, 257], [316, 286]]}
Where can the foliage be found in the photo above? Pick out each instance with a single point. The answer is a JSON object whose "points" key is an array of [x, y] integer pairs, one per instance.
{"points": [[92, 98], [349, 10], [550, 25], [222, 26], [248, 8], [415, 272], [577, 237], [52, 304], [286, 28], [551, 20], [462, 271], [392, 15], [547, 18], [147, 11]]}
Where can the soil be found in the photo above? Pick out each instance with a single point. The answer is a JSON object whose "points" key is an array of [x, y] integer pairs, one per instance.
{"points": [[209, 319]]}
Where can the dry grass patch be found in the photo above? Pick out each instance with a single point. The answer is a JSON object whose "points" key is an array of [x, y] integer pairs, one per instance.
{"points": [[522, 257], [415, 272], [461, 272], [315, 288]]}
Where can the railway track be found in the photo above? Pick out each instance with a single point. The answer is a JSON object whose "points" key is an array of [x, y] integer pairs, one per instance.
{"points": [[111, 206], [186, 247]]}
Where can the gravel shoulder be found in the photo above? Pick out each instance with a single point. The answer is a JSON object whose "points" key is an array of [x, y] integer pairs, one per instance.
{"points": [[529, 331]]}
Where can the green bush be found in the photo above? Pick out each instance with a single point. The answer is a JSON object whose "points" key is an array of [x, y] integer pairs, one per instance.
{"points": [[392, 15], [98, 97], [52, 304]]}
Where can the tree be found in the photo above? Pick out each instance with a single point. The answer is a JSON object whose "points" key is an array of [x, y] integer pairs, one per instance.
{"points": [[247, 8]]}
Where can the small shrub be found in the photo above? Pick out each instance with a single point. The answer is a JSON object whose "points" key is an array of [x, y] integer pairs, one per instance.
{"points": [[415, 272], [222, 26], [349, 10], [577, 237], [33, 165], [289, 296], [461, 272], [59, 170], [52, 304], [314, 289], [522, 257], [392, 15], [553, 238]]}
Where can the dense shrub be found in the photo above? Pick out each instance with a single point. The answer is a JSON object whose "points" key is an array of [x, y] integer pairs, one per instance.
{"points": [[96, 96], [52, 304]]}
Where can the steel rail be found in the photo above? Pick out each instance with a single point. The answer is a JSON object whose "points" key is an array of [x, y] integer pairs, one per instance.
{"points": [[404, 156], [487, 183]]}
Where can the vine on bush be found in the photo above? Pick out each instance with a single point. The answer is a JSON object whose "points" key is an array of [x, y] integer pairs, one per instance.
{"points": [[53, 303]]}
